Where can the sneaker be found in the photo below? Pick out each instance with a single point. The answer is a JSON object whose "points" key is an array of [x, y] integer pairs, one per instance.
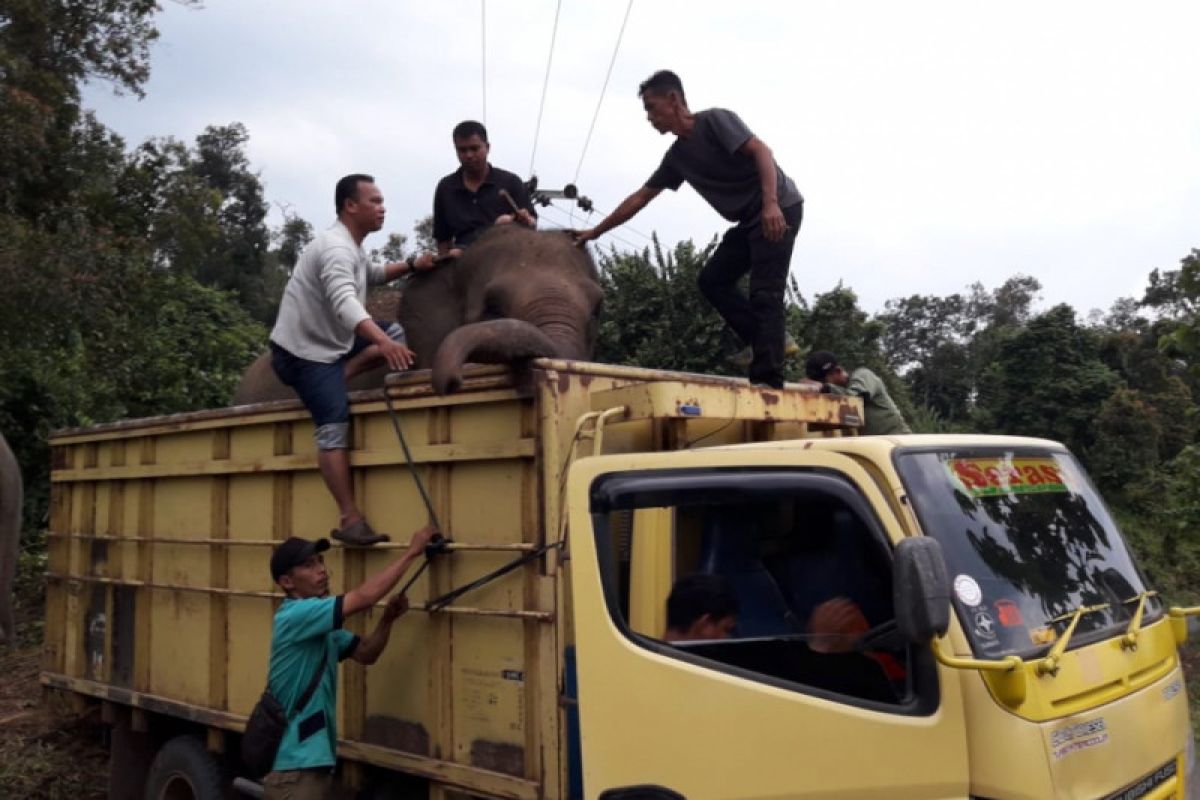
{"points": [[743, 358]]}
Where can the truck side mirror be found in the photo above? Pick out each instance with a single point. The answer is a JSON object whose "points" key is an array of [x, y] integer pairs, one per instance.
{"points": [[920, 590]]}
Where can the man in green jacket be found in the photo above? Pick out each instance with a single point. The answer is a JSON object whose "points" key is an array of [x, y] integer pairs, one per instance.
{"points": [[883, 417]]}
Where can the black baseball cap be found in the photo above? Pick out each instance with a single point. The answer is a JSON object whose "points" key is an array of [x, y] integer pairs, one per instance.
{"points": [[293, 552], [819, 364]]}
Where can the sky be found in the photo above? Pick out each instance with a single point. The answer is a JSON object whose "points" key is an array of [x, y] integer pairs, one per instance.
{"points": [[937, 144]]}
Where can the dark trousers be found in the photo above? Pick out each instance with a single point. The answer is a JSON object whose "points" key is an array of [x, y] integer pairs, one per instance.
{"points": [[758, 320]]}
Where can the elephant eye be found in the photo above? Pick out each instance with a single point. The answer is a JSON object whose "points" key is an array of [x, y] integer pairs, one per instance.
{"points": [[491, 311]]}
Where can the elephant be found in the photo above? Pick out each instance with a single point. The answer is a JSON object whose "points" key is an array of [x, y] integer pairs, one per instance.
{"points": [[11, 496], [513, 295]]}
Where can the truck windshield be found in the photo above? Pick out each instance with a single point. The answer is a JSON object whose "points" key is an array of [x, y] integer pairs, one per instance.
{"points": [[1027, 542]]}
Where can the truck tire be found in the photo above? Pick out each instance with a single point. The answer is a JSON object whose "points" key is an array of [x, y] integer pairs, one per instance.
{"points": [[184, 770]]}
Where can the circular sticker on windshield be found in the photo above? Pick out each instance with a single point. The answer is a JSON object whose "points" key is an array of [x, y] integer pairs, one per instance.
{"points": [[968, 590]]}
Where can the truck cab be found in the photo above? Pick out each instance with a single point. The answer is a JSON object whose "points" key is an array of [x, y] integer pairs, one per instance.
{"points": [[1003, 643]]}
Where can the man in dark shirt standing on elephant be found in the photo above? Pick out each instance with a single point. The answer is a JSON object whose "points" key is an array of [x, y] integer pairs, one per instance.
{"points": [[735, 172], [471, 199]]}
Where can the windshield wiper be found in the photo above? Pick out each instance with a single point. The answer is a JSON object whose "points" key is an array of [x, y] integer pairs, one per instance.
{"points": [[1049, 664], [1129, 640]]}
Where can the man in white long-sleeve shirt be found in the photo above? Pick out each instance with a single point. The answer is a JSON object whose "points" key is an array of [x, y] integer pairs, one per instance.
{"points": [[324, 335]]}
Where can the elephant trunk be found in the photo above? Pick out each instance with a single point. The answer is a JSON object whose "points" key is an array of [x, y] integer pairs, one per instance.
{"points": [[498, 341]]}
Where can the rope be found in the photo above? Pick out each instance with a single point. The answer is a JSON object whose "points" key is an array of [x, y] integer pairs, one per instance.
{"points": [[387, 398], [603, 89], [438, 544], [449, 597], [545, 84], [483, 54]]}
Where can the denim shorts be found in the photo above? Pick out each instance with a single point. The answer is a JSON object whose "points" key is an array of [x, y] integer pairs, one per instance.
{"points": [[322, 386]]}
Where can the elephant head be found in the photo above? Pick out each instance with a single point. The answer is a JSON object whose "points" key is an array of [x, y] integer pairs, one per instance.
{"points": [[515, 294], [10, 532]]}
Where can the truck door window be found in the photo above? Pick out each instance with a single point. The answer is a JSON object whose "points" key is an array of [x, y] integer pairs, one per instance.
{"points": [[796, 558]]}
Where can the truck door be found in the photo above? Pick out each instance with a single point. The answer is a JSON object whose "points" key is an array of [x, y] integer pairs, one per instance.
{"points": [[777, 693]]}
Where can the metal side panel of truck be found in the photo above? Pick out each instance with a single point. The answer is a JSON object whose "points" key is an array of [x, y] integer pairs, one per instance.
{"points": [[160, 601]]}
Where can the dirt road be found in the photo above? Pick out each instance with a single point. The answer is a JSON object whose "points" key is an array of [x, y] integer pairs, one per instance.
{"points": [[46, 752]]}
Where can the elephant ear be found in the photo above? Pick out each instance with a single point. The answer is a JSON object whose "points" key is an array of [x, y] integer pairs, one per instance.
{"points": [[431, 306]]}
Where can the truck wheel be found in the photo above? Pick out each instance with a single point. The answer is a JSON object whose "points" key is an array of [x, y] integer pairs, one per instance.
{"points": [[184, 770]]}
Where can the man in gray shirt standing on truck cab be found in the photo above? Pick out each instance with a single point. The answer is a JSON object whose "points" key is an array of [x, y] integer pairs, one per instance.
{"points": [[735, 172], [324, 336]]}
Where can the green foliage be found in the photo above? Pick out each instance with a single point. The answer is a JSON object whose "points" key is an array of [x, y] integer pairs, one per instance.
{"points": [[655, 317], [1047, 380], [202, 209], [47, 49], [423, 235], [1126, 450], [104, 255], [1176, 295], [292, 237], [93, 331], [834, 322], [394, 249]]}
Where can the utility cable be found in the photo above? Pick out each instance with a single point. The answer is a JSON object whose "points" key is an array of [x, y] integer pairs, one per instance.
{"points": [[625, 225], [626, 242], [603, 89], [483, 54], [545, 85]]}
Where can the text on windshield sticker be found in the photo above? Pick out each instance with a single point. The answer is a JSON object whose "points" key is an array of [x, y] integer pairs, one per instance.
{"points": [[985, 477]]}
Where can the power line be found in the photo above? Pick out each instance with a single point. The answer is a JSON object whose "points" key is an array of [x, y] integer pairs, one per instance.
{"points": [[545, 84], [483, 53], [622, 240], [603, 89], [625, 225]]}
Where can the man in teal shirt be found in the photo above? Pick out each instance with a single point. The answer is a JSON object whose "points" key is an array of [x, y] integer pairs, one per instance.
{"points": [[883, 417], [307, 634]]}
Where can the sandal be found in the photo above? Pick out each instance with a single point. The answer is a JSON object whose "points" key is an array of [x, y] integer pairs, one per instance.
{"points": [[359, 534]]}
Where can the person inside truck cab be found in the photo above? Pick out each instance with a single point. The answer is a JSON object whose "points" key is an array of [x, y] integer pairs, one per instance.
{"points": [[477, 195], [836, 582], [324, 336], [701, 607], [307, 637], [883, 418]]}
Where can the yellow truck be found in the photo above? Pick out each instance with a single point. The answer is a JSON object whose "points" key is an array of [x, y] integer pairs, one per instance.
{"points": [[994, 637]]}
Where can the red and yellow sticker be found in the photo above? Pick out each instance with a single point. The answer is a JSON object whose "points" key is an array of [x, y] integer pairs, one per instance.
{"points": [[986, 477]]}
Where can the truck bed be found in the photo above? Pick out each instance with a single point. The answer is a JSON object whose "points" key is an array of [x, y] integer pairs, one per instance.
{"points": [[160, 598]]}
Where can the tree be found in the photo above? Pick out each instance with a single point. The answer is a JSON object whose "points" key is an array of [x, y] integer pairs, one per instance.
{"points": [[423, 235], [1176, 295], [206, 214], [653, 314], [1047, 379], [47, 49], [394, 249], [1129, 345], [93, 331], [1126, 449], [293, 236]]}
